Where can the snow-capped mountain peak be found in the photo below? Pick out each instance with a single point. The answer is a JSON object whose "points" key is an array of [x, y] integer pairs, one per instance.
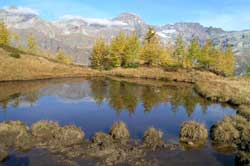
{"points": [[130, 18]]}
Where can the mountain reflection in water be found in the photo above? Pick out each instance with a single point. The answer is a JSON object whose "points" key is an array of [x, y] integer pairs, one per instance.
{"points": [[94, 104]]}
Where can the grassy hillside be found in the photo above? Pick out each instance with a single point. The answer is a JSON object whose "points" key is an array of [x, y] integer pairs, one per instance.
{"points": [[207, 84], [234, 90], [30, 67]]}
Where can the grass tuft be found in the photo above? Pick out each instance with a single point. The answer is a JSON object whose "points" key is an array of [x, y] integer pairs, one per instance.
{"points": [[45, 130], [69, 135], [193, 133], [119, 131], [153, 138]]}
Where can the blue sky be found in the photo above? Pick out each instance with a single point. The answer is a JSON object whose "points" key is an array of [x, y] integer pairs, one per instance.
{"points": [[227, 14]]}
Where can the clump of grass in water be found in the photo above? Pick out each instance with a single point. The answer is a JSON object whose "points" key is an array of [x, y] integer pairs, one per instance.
{"points": [[119, 131], [232, 131], [153, 138], [69, 135], [45, 130], [225, 132], [193, 134], [12, 131]]}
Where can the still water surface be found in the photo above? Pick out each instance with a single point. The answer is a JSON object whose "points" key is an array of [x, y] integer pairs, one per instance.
{"points": [[95, 104]]}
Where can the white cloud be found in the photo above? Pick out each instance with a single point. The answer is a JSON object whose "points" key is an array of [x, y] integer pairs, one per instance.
{"points": [[106, 22], [21, 10]]}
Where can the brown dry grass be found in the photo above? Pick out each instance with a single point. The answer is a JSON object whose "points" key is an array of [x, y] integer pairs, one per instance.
{"points": [[244, 111], [153, 138], [119, 131], [231, 90], [30, 67], [193, 132], [225, 132], [180, 75]]}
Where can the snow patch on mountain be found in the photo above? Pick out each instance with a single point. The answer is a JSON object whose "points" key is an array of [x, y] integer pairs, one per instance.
{"points": [[163, 35], [93, 21], [169, 31]]}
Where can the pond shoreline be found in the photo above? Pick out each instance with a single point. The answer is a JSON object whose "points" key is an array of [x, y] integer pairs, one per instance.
{"points": [[234, 91], [132, 151]]}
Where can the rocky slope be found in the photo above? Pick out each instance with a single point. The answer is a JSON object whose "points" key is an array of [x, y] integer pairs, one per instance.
{"points": [[76, 35]]}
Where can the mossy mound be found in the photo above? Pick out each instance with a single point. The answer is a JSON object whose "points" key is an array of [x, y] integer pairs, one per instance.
{"points": [[11, 131], [225, 132], [69, 135], [242, 159], [119, 131], [245, 112], [45, 130], [193, 133], [3, 153], [153, 138]]}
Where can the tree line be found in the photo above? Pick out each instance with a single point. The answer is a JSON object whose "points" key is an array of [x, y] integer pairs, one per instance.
{"points": [[128, 51], [31, 44]]}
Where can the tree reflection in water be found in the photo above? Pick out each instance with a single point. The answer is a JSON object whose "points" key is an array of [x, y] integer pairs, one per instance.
{"points": [[119, 94]]}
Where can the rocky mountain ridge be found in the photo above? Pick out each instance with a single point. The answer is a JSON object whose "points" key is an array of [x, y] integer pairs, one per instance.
{"points": [[76, 35]]}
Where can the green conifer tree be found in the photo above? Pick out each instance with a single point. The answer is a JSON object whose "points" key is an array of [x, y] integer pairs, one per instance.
{"points": [[180, 53], [62, 58], [230, 61], [99, 54], [117, 50], [151, 33], [31, 44], [247, 72], [4, 34], [153, 50], [194, 52], [132, 50], [207, 52]]}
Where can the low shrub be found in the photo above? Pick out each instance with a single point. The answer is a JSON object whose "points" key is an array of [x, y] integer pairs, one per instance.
{"points": [[15, 55], [132, 65]]}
